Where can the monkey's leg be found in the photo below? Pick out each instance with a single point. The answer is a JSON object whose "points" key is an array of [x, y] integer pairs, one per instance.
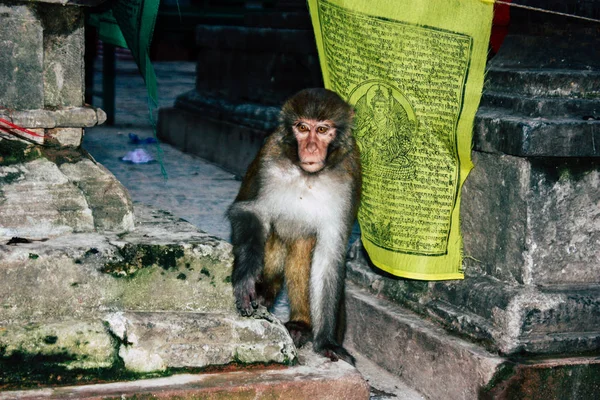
{"points": [[271, 280], [248, 237], [328, 273], [297, 276]]}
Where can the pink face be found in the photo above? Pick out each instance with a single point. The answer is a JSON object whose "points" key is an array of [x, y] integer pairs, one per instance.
{"points": [[313, 139]]}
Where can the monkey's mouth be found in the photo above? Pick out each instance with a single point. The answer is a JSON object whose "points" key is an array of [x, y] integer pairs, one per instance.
{"points": [[312, 166]]}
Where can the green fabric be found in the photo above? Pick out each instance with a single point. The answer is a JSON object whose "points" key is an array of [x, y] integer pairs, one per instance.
{"points": [[130, 24], [136, 19], [414, 72]]}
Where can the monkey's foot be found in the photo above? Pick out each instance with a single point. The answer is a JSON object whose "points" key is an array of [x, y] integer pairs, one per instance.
{"points": [[300, 332], [245, 297], [335, 352]]}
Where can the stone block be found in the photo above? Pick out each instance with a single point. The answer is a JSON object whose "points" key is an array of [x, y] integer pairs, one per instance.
{"points": [[533, 221], [41, 199], [70, 117], [66, 136], [157, 341], [77, 117], [442, 365], [550, 107], [495, 193], [503, 317], [64, 47], [159, 296], [21, 64], [439, 366], [38, 201], [72, 344], [108, 199], [542, 84], [497, 131]]}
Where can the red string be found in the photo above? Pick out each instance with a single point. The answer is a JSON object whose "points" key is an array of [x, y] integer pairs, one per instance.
{"points": [[18, 128]]}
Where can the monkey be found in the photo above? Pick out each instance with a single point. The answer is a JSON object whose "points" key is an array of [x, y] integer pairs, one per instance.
{"points": [[292, 218]]}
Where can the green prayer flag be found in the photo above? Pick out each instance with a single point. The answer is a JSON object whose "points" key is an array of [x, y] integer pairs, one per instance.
{"points": [[414, 72], [136, 19]]}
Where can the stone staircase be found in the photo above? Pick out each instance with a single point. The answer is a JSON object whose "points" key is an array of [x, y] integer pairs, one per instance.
{"points": [[539, 113]]}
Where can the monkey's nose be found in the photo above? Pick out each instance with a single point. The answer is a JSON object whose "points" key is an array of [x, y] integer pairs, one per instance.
{"points": [[311, 147]]}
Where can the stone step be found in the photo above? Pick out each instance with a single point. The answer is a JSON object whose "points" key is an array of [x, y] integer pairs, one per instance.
{"points": [[544, 82], [585, 109], [315, 378], [137, 302], [498, 131], [424, 355], [384, 384], [443, 366]]}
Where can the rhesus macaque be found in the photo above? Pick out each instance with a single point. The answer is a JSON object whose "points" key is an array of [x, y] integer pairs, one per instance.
{"points": [[292, 218]]}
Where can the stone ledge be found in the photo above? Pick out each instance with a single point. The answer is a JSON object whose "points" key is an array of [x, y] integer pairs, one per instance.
{"points": [[497, 131], [502, 317], [315, 378], [232, 146], [444, 366], [70, 117], [424, 355], [251, 115], [533, 107], [146, 300], [558, 83]]}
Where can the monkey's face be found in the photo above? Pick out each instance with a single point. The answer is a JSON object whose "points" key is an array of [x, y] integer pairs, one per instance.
{"points": [[313, 139]]}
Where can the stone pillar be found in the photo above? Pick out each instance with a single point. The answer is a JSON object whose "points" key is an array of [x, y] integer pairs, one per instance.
{"points": [[530, 208], [245, 72], [48, 184]]}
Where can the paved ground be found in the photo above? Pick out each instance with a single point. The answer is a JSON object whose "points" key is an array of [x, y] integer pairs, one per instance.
{"points": [[195, 190]]}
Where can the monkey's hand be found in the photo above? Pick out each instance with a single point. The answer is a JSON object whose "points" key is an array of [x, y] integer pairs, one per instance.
{"points": [[334, 352], [245, 296]]}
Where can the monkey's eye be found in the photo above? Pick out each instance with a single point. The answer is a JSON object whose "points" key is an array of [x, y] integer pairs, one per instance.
{"points": [[322, 129], [303, 128]]}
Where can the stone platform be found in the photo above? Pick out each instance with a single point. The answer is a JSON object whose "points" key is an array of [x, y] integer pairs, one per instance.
{"points": [[316, 378], [146, 300]]}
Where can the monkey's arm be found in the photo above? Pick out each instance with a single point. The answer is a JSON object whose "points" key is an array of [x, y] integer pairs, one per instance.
{"points": [[248, 237]]}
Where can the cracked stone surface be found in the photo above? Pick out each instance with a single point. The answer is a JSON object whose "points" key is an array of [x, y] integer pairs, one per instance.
{"points": [[158, 297], [39, 199]]}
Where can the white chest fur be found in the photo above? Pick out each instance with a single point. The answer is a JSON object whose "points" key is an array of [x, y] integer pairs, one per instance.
{"points": [[293, 201]]}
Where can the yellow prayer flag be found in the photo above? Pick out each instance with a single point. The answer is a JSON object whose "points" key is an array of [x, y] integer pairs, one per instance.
{"points": [[414, 72]]}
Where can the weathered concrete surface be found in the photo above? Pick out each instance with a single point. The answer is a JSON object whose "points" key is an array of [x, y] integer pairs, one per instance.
{"points": [[160, 295], [315, 378], [40, 199]]}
